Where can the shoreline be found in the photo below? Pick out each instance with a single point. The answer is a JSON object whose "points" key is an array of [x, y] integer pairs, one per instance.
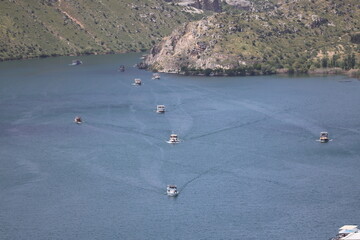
{"points": [[353, 73], [42, 56]]}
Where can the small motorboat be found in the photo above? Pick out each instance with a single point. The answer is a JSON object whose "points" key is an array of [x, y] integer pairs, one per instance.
{"points": [[324, 137], [346, 232], [160, 108], [76, 62], [121, 68], [173, 138], [137, 82], [156, 76], [171, 191], [77, 120]]}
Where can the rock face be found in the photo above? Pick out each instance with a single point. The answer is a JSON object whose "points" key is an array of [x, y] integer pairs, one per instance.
{"points": [[186, 48]]}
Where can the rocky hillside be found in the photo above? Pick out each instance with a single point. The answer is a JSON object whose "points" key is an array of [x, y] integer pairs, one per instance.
{"points": [[296, 35], [33, 28]]}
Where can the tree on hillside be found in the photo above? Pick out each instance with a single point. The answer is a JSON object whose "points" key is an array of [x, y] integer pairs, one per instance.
{"points": [[349, 61], [324, 62]]}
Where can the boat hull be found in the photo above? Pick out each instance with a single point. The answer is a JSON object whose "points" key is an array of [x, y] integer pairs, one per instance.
{"points": [[172, 194]]}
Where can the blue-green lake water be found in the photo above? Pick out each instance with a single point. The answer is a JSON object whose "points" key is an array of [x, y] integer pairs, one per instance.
{"points": [[248, 165]]}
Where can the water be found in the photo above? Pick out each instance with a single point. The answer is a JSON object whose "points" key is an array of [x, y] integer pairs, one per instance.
{"points": [[248, 166]]}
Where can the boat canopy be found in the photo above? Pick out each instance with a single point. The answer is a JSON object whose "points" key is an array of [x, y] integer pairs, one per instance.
{"points": [[348, 227], [348, 231]]}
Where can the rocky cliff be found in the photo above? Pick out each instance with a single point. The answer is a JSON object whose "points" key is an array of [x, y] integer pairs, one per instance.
{"points": [[192, 46], [300, 35]]}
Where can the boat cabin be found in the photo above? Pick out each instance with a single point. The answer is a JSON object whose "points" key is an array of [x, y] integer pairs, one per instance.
{"points": [[324, 137], [76, 62], [160, 108], [78, 120], [171, 190], [173, 138], [156, 76], [137, 81]]}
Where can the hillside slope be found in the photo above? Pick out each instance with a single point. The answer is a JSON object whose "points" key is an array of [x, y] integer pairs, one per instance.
{"points": [[33, 28], [298, 35]]}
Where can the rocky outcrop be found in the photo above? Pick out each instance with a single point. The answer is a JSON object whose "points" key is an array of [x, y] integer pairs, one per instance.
{"points": [[186, 48], [317, 21]]}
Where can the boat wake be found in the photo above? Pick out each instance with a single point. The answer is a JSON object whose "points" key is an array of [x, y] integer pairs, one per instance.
{"points": [[270, 112], [228, 128], [318, 140], [282, 116], [116, 129], [182, 188], [179, 118], [109, 174]]}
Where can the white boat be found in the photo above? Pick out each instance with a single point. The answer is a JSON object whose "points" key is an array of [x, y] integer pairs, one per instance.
{"points": [[137, 82], [347, 232], [171, 190], [77, 120], [156, 76], [324, 137], [160, 108], [76, 62], [173, 138]]}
